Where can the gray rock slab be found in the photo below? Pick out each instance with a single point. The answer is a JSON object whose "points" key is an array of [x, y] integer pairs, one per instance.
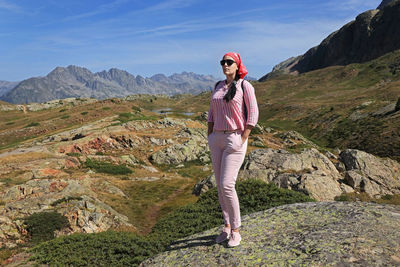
{"points": [[306, 234]]}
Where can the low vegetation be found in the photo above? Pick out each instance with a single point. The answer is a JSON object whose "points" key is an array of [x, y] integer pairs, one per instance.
{"points": [[362, 196], [63, 200], [107, 167], [125, 117], [129, 249], [32, 124], [41, 226]]}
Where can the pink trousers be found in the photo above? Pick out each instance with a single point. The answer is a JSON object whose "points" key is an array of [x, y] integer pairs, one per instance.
{"points": [[227, 155]]}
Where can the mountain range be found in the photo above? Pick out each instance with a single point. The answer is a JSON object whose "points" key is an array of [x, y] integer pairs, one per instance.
{"points": [[371, 35], [74, 81], [6, 86]]}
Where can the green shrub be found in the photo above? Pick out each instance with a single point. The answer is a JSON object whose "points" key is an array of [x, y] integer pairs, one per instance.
{"points": [[254, 195], [135, 108], [41, 226], [342, 197], [125, 117], [64, 199], [32, 124], [63, 110], [10, 123], [74, 154], [84, 113], [256, 130], [387, 197], [397, 107], [65, 117], [106, 108], [107, 167], [100, 249]]}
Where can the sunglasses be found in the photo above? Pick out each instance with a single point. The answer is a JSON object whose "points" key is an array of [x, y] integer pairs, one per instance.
{"points": [[229, 62]]}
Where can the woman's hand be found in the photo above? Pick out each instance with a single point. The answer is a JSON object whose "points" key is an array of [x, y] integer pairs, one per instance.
{"points": [[246, 133], [210, 128]]}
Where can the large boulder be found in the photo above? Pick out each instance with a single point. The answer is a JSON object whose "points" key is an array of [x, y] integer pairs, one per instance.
{"points": [[306, 234], [195, 148], [10, 232], [309, 172], [75, 199], [370, 174], [313, 173]]}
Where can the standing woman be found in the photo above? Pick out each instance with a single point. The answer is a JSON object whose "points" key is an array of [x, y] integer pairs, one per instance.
{"points": [[228, 131]]}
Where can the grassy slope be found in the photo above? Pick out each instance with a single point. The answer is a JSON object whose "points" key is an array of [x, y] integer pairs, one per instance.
{"points": [[319, 103]]}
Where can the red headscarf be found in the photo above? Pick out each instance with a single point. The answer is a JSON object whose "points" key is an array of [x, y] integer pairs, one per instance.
{"points": [[242, 69]]}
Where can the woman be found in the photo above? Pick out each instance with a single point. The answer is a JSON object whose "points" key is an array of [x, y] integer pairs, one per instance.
{"points": [[228, 130]]}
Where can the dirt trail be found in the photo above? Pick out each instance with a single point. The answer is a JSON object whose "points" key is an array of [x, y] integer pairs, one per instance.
{"points": [[152, 214]]}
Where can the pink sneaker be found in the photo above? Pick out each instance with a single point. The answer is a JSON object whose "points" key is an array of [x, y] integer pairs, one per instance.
{"points": [[224, 235], [234, 240]]}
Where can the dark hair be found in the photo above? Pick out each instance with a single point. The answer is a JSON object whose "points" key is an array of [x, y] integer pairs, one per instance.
{"points": [[232, 90]]}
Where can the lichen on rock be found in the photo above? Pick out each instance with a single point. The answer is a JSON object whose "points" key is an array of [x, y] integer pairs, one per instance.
{"points": [[306, 234]]}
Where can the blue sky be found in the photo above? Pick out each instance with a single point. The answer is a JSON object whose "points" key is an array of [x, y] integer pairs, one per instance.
{"points": [[170, 36]]}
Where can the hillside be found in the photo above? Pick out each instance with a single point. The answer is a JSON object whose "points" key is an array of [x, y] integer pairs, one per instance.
{"points": [[372, 34], [74, 81], [349, 106]]}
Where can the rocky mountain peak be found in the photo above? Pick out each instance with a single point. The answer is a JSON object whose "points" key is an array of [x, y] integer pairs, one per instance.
{"points": [[158, 77], [69, 72], [372, 34], [385, 3], [79, 71]]}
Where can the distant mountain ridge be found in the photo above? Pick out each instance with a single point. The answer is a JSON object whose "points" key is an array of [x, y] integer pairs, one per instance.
{"points": [[6, 86], [371, 35], [74, 81]]}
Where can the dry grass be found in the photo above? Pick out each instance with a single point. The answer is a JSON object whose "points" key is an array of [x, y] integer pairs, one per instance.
{"points": [[147, 201], [364, 197], [24, 157]]}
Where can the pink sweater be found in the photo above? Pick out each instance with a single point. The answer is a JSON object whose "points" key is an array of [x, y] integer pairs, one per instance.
{"points": [[230, 116]]}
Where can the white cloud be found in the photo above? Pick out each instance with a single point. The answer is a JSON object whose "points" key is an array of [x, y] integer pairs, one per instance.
{"points": [[8, 6], [169, 4], [99, 10], [353, 5]]}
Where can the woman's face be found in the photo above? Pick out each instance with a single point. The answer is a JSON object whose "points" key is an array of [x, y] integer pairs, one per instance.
{"points": [[229, 70]]}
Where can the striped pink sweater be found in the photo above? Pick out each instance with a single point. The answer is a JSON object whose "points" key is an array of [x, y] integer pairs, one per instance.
{"points": [[230, 116]]}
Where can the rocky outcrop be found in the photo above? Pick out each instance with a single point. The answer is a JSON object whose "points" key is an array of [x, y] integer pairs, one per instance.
{"points": [[384, 3], [74, 81], [195, 148], [314, 174], [370, 174], [179, 153], [371, 35], [291, 138], [67, 102], [11, 233], [309, 172], [75, 199], [306, 234]]}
